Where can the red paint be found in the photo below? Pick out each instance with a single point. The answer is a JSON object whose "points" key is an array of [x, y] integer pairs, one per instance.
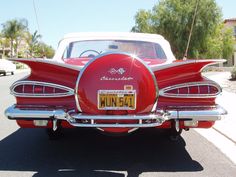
{"points": [[46, 72], [92, 80]]}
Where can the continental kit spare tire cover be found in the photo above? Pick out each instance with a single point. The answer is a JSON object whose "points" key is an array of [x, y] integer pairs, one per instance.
{"points": [[116, 83]]}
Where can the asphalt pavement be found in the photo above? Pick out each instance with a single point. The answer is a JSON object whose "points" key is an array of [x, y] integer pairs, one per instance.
{"points": [[87, 153]]}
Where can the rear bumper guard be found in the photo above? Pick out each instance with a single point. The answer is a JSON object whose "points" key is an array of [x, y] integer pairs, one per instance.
{"points": [[209, 113]]}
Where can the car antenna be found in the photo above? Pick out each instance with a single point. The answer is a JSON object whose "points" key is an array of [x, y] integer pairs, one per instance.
{"points": [[36, 16], [191, 30]]}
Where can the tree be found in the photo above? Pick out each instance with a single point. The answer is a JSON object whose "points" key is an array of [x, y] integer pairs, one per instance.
{"points": [[14, 30], [173, 18], [221, 43], [4, 43], [32, 41], [143, 20], [214, 44], [43, 50], [228, 43]]}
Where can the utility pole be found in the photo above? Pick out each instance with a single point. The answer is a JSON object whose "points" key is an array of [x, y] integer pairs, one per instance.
{"points": [[191, 30], [36, 16]]}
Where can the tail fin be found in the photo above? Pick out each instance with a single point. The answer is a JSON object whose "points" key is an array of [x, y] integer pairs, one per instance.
{"points": [[51, 71], [181, 71]]}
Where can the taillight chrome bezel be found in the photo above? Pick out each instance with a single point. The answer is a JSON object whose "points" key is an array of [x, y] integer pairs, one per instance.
{"points": [[67, 90], [163, 92]]}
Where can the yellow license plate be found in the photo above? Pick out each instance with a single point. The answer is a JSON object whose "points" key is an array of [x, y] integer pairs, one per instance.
{"points": [[117, 99]]}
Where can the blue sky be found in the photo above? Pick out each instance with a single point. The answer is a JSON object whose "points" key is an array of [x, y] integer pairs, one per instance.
{"points": [[58, 17]]}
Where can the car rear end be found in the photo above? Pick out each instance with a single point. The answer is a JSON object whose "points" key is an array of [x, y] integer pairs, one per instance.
{"points": [[116, 92]]}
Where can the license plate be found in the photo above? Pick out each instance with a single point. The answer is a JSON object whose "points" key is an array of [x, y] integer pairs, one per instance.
{"points": [[117, 99]]}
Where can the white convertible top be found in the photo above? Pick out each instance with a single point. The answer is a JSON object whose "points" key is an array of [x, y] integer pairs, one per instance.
{"points": [[115, 35], [71, 37]]}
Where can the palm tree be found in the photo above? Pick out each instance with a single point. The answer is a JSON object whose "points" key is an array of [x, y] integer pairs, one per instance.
{"points": [[33, 41], [14, 30], [1, 44], [4, 44]]}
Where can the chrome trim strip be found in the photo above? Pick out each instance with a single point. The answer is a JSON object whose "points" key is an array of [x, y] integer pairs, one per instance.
{"points": [[159, 67], [117, 125], [211, 113], [48, 61], [115, 117], [110, 53], [68, 91], [90, 120], [163, 91]]}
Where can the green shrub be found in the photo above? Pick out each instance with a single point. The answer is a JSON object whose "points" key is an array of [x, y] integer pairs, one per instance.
{"points": [[233, 73], [20, 65]]}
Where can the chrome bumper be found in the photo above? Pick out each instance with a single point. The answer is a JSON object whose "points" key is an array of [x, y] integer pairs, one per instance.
{"points": [[157, 118]]}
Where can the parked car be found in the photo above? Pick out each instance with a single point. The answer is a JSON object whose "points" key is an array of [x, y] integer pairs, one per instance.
{"points": [[7, 66], [116, 83]]}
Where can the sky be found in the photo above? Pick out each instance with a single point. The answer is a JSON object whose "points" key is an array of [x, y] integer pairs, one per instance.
{"points": [[58, 17]]}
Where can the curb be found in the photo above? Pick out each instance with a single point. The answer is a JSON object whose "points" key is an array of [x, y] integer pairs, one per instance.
{"points": [[223, 134]]}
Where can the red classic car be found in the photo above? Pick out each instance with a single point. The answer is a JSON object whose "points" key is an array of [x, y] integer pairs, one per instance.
{"points": [[116, 83]]}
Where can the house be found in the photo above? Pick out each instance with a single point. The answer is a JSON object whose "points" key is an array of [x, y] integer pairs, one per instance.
{"points": [[231, 23], [5, 49]]}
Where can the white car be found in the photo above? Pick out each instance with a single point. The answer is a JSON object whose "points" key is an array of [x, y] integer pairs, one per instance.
{"points": [[7, 67]]}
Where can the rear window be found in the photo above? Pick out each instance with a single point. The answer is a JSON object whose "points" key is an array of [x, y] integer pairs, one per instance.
{"points": [[90, 49]]}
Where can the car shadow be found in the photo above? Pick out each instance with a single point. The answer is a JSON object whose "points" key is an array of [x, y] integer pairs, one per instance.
{"points": [[83, 152]]}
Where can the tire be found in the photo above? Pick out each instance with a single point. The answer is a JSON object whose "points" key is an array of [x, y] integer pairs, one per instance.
{"points": [[173, 133], [12, 73], [5, 73]]}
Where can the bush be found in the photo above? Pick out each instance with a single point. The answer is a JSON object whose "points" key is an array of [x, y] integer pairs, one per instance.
{"points": [[20, 65], [233, 73]]}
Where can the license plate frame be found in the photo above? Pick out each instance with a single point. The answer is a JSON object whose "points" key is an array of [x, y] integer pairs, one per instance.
{"points": [[116, 99]]}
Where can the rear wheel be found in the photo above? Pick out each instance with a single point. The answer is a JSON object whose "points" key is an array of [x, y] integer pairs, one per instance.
{"points": [[12, 73], [4, 74], [175, 132]]}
